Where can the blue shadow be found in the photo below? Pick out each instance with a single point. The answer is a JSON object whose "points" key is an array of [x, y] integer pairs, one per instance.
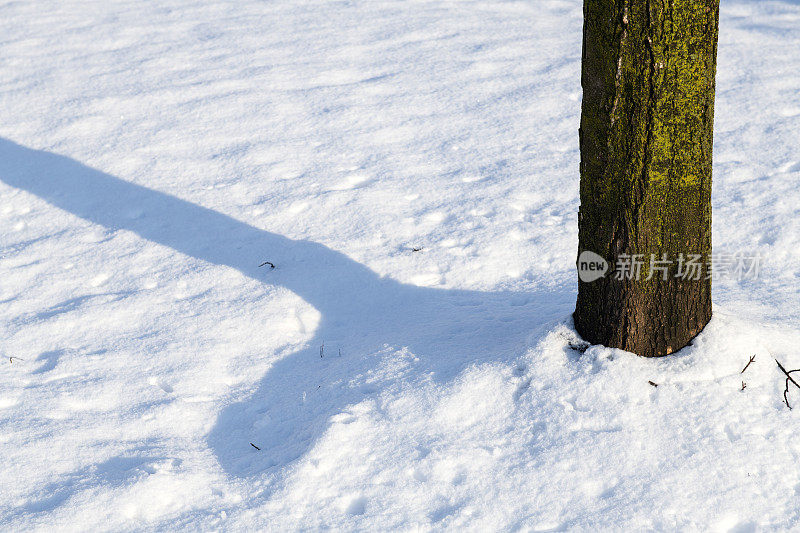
{"points": [[363, 314]]}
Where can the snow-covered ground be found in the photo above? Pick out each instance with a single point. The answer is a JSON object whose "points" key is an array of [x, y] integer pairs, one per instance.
{"points": [[154, 154]]}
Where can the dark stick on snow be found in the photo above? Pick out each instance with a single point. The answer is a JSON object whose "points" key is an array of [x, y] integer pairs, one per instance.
{"points": [[653, 384], [788, 379], [254, 446], [580, 347], [786, 394], [753, 358], [271, 266], [744, 385]]}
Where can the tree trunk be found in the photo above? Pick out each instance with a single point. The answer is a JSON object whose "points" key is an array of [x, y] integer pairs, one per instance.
{"points": [[646, 139]]}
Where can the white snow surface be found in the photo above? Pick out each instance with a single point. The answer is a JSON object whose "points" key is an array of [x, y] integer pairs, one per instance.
{"points": [[154, 154]]}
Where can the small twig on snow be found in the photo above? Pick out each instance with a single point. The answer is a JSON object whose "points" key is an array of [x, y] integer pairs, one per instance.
{"points": [[753, 358], [578, 346], [653, 384], [254, 446], [744, 385], [789, 378], [271, 265]]}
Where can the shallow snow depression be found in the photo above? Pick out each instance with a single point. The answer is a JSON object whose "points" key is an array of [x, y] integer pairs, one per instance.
{"points": [[411, 170]]}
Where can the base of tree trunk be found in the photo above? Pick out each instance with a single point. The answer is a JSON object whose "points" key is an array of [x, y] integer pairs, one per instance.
{"points": [[636, 321]]}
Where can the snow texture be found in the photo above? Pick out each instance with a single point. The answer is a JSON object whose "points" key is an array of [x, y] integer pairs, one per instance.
{"points": [[410, 168]]}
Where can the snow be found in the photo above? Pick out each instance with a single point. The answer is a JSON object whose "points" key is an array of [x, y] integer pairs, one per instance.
{"points": [[154, 376]]}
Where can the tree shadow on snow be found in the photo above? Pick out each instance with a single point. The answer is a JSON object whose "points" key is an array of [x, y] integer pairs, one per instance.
{"points": [[369, 317]]}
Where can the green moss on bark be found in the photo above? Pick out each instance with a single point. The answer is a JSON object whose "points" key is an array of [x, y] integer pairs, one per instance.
{"points": [[646, 150]]}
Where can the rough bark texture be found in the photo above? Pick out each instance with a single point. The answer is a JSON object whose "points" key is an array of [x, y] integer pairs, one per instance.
{"points": [[646, 141]]}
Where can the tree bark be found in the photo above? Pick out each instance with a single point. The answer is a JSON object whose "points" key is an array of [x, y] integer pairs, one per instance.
{"points": [[646, 143]]}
